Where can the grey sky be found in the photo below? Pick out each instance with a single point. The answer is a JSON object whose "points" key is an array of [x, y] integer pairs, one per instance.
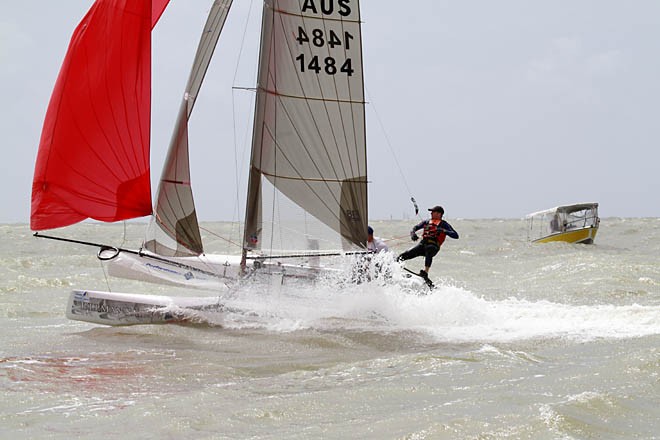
{"points": [[491, 108]]}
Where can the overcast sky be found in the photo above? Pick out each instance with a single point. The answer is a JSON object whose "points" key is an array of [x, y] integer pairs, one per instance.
{"points": [[493, 109]]}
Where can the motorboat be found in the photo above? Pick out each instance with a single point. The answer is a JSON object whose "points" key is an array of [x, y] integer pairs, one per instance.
{"points": [[576, 223]]}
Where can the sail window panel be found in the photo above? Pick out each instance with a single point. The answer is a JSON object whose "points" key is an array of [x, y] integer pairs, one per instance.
{"points": [[286, 227], [309, 152], [316, 141]]}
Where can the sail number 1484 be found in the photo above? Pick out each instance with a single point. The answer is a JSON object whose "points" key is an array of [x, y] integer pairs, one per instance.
{"points": [[328, 64]]}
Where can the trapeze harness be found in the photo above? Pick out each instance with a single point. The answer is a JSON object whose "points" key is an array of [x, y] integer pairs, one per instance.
{"points": [[432, 234]]}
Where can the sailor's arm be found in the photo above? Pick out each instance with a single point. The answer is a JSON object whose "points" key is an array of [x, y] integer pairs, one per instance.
{"points": [[447, 229], [416, 228]]}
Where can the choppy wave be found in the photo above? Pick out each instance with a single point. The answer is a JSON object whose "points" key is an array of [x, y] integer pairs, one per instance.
{"points": [[448, 314]]}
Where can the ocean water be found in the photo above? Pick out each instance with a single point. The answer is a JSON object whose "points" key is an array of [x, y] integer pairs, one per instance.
{"points": [[519, 341]]}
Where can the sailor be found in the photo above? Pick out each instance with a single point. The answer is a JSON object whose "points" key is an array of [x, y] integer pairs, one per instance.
{"points": [[375, 244], [363, 270], [435, 230]]}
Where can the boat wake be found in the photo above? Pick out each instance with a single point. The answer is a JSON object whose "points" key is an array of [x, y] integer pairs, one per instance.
{"points": [[446, 314]]}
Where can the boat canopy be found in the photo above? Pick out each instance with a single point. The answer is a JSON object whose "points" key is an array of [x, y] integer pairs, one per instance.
{"points": [[562, 221], [565, 209]]}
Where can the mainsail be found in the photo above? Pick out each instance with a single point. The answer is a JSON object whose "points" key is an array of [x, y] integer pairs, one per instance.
{"points": [[93, 159], [309, 147], [174, 230]]}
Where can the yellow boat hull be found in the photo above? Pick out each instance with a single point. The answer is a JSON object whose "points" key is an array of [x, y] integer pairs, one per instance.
{"points": [[585, 236]]}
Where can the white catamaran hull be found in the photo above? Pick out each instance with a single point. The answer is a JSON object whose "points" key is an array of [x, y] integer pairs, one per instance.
{"points": [[119, 309]]}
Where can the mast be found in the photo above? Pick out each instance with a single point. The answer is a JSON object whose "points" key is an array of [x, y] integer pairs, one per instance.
{"points": [[253, 196]]}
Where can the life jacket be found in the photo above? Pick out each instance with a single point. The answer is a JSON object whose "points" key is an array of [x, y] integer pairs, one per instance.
{"points": [[432, 233]]}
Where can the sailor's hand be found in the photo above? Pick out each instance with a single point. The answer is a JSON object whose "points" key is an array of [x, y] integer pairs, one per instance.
{"points": [[414, 236]]}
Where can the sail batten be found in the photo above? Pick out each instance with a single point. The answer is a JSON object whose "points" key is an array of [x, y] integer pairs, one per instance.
{"points": [[311, 98], [311, 179]]}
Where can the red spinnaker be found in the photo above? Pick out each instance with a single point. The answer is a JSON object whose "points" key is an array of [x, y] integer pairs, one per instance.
{"points": [[93, 159], [157, 9]]}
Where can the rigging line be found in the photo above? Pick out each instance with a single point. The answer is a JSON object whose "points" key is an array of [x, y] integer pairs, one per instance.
{"points": [[237, 172], [105, 275], [273, 51], [387, 141], [236, 211], [206, 47], [397, 238], [303, 255], [247, 144], [216, 235], [133, 252], [124, 238], [243, 38]]}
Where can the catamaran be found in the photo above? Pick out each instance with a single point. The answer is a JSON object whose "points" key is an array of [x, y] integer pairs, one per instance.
{"points": [[307, 188], [577, 223]]}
